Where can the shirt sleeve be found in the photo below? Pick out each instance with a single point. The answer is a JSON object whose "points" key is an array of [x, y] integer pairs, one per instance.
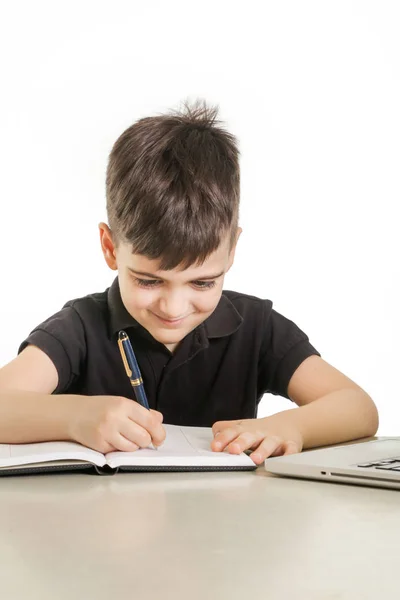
{"points": [[284, 347], [62, 338]]}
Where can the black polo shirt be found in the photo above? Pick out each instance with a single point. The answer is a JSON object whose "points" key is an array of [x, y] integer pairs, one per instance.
{"points": [[219, 371]]}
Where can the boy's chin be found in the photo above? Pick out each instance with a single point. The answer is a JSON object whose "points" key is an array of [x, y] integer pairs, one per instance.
{"points": [[167, 337]]}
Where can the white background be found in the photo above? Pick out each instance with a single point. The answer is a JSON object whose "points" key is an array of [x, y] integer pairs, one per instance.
{"points": [[311, 89]]}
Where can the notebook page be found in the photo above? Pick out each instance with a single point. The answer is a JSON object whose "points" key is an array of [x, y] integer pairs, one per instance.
{"points": [[24, 454], [183, 446]]}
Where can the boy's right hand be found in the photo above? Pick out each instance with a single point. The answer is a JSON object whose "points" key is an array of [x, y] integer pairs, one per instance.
{"points": [[109, 423]]}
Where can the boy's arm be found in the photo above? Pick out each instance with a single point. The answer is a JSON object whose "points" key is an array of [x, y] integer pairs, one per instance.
{"points": [[30, 413], [332, 409]]}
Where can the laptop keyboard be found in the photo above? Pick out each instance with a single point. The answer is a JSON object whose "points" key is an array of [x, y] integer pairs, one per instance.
{"points": [[387, 464]]}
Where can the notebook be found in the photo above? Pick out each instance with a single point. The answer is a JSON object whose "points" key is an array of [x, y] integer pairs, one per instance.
{"points": [[184, 449]]}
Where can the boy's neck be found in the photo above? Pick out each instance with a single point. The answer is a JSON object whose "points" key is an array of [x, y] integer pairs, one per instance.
{"points": [[172, 347]]}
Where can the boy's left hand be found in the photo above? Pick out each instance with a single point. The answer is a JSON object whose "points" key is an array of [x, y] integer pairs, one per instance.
{"points": [[257, 435]]}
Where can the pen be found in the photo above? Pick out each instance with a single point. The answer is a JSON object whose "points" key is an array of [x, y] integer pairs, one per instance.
{"points": [[132, 369]]}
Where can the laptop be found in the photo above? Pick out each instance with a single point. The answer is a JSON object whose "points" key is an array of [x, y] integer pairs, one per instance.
{"points": [[374, 463]]}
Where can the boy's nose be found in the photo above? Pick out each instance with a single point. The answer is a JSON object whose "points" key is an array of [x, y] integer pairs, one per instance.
{"points": [[172, 308]]}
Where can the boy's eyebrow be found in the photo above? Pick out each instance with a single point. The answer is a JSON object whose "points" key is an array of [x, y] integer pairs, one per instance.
{"points": [[157, 277]]}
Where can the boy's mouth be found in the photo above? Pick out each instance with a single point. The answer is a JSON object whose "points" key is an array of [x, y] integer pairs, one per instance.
{"points": [[170, 322]]}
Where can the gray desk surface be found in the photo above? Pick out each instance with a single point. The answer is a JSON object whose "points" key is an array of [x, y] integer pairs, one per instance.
{"points": [[225, 536]]}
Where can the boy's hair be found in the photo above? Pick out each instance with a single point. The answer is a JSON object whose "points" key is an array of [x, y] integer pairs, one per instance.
{"points": [[173, 186]]}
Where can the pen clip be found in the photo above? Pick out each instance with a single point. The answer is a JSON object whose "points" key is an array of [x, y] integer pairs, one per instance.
{"points": [[124, 360]]}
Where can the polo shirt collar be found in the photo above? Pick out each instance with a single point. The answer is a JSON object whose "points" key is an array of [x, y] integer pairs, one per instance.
{"points": [[119, 316], [224, 321]]}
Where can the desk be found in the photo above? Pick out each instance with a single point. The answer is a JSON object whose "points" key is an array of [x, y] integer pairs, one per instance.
{"points": [[225, 536]]}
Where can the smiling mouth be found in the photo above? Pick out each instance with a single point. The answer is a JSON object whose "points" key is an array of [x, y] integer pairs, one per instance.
{"points": [[170, 321]]}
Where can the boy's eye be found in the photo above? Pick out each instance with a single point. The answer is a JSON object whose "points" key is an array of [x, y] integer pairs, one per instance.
{"points": [[204, 285], [149, 283]]}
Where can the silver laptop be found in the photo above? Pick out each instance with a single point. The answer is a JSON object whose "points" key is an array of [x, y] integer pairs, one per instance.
{"points": [[375, 462]]}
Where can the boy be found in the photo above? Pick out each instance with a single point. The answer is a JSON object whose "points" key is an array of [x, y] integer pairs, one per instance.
{"points": [[206, 356]]}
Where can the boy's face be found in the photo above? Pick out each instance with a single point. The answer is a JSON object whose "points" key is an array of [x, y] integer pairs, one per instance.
{"points": [[169, 304]]}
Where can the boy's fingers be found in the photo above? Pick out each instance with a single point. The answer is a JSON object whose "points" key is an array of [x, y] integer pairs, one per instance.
{"points": [[220, 426], [157, 434], [135, 433], [122, 444], [159, 416], [159, 438], [150, 421], [244, 441], [157, 431], [287, 447], [291, 447], [268, 447], [222, 438]]}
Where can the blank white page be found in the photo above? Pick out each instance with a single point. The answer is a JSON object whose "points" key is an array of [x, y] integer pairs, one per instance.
{"points": [[183, 446], [24, 454]]}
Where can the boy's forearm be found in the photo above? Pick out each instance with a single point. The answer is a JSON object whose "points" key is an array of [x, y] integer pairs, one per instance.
{"points": [[27, 417], [340, 416]]}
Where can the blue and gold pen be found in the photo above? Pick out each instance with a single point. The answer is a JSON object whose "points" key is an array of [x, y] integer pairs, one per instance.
{"points": [[132, 369]]}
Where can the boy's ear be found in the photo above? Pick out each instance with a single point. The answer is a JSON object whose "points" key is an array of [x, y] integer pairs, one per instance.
{"points": [[107, 246], [232, 252]]}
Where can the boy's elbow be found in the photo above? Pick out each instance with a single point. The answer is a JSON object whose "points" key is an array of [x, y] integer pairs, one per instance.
{"points": [[371, 415]]}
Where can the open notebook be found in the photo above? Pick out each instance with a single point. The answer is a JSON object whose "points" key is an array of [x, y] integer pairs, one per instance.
{"points": [[184, 449]]}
